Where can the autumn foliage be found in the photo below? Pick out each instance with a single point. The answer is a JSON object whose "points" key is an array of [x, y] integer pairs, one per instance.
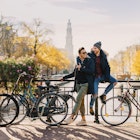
{"points": [[51, 57], [32, 43], [136, 63], [126, 62]]}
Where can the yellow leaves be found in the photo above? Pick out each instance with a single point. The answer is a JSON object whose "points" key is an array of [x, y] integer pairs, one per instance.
{"points": [[114, 66], [126, 62], [136, 63], [51, 57], [8, 28], [23, 46]]}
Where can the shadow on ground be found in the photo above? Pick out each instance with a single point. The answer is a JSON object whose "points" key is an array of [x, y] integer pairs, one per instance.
{"points": [[3, 136], [71, 132]]}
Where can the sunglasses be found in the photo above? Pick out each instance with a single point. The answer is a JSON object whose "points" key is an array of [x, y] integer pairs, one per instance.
{"points": [[84, 52]]}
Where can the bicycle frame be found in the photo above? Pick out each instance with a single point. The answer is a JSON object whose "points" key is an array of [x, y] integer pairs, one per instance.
{"points": [[29, 93], [27, 99], [131, 97]]}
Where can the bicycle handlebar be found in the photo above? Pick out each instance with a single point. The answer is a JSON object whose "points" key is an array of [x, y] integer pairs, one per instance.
{"points": [[26, 74]]}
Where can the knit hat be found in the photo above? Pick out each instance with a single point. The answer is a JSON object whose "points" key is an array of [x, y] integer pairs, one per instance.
{"points": [[98, 45]]}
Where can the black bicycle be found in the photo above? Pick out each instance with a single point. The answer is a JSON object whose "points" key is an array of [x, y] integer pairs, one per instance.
{"points": [[41, 106], [65, 93]]}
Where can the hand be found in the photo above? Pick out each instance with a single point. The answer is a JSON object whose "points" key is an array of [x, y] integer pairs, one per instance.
{"points": [[61, 79], [103, 81], [78, 66]]}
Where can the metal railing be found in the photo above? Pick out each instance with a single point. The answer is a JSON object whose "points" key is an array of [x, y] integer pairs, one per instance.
{"points": [[115, 91]]}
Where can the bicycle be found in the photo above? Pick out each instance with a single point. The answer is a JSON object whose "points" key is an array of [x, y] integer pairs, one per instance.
{"points": [[66, 94], [8, 109], [36, 107], [118, 109]]}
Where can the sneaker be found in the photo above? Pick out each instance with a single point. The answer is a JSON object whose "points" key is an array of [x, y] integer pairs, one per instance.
{"points": [[68, 120], [81, 123], [103, 99], [91, 111]]}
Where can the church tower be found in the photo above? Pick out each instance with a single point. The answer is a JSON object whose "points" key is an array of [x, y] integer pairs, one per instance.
{"points": [[69, 44]]}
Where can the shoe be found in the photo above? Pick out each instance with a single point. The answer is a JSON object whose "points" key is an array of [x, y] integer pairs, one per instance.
{"points": [[91, 111], [48, 120], [68, 120], [103, 99], [81, 123]]}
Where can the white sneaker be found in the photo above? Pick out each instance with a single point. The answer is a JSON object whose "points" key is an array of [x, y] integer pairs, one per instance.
{"points": [[68, 120], [81, 123]]}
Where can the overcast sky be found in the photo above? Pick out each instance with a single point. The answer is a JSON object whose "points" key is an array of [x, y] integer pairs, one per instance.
{"points": [[116, 23]]}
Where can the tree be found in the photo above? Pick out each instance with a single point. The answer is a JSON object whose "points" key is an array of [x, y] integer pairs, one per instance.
{"points": [[22, 46], [52, 57], [37, 32], [114, 66], [8, 33], [136, 64]]}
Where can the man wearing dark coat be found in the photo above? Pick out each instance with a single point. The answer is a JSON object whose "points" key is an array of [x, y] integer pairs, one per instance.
{"points": [[84, 77]]}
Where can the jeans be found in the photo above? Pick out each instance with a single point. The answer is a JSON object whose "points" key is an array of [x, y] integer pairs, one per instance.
{"points": [[79, 105], [98, 80]]}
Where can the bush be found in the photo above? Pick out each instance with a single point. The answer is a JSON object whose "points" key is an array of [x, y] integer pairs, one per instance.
{"points": [[11, 68]]}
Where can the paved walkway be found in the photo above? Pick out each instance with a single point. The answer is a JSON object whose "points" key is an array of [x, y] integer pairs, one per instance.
{"points": [[38, 131]]}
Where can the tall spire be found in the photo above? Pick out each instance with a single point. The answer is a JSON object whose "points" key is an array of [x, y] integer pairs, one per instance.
{"points": [[69, 44]]}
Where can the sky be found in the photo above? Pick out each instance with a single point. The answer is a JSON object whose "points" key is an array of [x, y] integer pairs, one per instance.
{"points": [[116, 23]]}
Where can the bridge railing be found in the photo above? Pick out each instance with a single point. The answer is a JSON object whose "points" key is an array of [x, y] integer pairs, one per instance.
{"points": [[117, 90]]}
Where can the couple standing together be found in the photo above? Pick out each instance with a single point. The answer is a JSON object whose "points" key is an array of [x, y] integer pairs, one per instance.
{"points": [[91, 69]]}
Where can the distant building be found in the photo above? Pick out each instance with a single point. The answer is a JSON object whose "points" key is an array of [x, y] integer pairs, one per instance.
{"points": [[124, 61], [69, 45]]}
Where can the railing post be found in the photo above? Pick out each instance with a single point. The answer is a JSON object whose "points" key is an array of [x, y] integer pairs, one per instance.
{"points": [[96, 112]]}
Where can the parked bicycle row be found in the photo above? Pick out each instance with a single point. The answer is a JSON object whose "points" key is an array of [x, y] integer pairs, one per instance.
{"points": [[52, 106], [46, 103]]}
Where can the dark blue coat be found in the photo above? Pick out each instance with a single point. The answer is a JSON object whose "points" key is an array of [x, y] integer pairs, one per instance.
{"points": [[88, 69], [90, 73], [104, 64]]}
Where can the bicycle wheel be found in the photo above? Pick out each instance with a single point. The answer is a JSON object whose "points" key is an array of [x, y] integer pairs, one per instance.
{"points": [[8, 109], [116, 111], [23, 108], [52, 109], [71, 103]]}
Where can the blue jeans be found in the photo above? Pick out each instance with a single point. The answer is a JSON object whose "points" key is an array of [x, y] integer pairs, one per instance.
{"points": [[98, 80]]}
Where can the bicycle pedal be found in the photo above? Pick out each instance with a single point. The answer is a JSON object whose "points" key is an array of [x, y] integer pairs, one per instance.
{"points": [[34, 118], [55, 124]]}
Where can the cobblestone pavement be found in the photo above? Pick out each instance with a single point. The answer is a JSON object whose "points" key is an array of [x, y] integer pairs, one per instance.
{"points": [[38, 131]]}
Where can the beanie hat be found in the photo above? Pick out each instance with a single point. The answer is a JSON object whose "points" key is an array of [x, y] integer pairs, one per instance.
{"points": [[98, 45]]}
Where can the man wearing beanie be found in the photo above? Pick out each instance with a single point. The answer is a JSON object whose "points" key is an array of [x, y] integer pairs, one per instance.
{"points": [[102, 74], [98, 45]]}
